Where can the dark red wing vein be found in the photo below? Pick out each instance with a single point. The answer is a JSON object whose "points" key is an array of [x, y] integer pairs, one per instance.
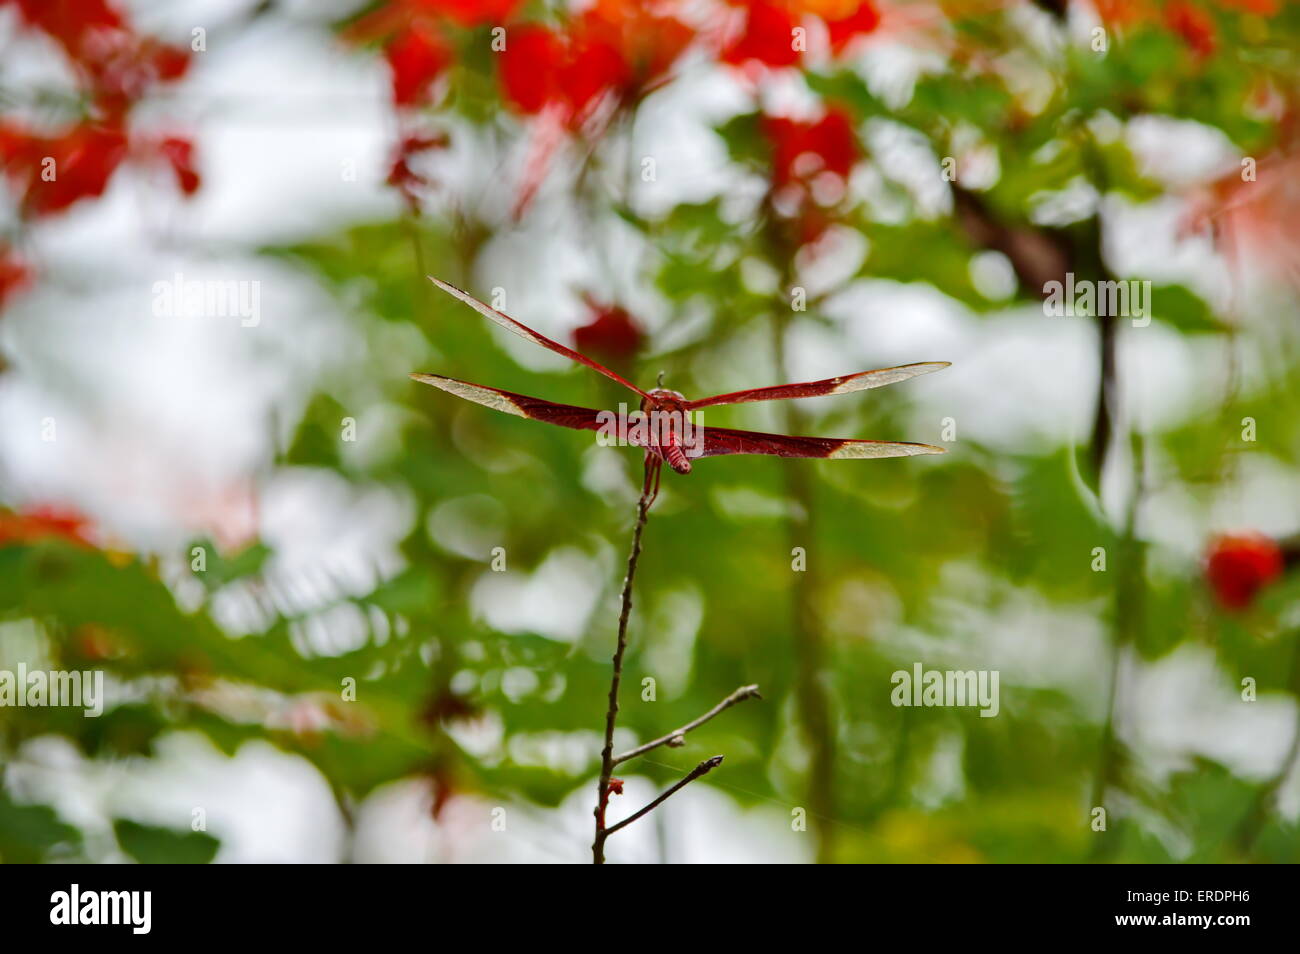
{"points": [[723, 440], [520, 405], [841, 385], [523, 331]]}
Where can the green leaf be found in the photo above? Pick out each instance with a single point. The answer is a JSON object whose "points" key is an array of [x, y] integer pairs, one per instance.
{"points": [[30, 834], [1183, 309], [157, 846]]}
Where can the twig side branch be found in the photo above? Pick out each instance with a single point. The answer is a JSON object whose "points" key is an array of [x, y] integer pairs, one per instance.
{"points": [[676, 737], [704, 768]]}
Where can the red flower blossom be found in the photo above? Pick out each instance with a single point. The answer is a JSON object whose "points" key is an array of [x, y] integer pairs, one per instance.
{"points": [[801, 149], [14, 274], [541, 68], [611, 334], [844, 31], [615, 786], [593, 67], [648, 43], [1240, 565], [768, 37], [53, 173], [1193, 24], [70, 22], [171, 63], [612, 53], [528, 67], [117, 65], [418, 55], [41, 522], [121, 67], [180, 154]]}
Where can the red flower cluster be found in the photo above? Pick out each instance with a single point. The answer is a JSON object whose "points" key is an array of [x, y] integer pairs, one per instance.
{"points": [[1240, 565], [116, 67], [613, 48], [811, 162], [419, 53], [767, 35], [415, 43]]}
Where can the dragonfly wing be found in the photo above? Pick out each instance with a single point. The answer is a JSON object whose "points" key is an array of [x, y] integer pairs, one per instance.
{"points": [[523, 331], [520, 405], [861, 381], [723, 440]]}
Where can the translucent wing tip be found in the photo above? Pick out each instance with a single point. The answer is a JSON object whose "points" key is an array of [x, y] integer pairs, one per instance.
{"points": [[449, 289], [488, 397], [865, 380], [925, 367], [434, 379], [457, 293], [875, 450]]}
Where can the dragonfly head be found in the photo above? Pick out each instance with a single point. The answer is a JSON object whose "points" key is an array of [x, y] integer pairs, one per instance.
{"points": [[662, 399]]}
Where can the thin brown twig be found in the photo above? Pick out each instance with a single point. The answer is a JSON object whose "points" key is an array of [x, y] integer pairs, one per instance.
{"points": [[611, 715], [676, 737], [704, 768]]}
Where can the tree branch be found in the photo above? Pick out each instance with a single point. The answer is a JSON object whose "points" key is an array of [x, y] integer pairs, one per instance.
{"points": [[704, 768], [1266, 797], [676, 738], [811, 691]]}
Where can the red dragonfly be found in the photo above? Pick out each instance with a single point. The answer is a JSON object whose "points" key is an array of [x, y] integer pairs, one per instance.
{"points": [[676, 443]]}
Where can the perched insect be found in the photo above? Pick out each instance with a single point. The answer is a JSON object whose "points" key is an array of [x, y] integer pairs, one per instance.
{"points": [[678, 441]]}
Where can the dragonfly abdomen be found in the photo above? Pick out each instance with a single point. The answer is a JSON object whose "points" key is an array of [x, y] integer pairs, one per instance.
{"points": [[676, 458]]}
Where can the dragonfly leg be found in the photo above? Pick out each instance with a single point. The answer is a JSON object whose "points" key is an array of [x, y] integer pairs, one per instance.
{"points": [[650, 486]]}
